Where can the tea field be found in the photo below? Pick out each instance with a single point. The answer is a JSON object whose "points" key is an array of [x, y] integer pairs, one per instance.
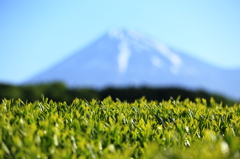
{"points": [[173, 129]]}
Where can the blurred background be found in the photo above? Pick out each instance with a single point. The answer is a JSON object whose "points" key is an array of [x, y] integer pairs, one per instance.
{"points": [[36, 35]]}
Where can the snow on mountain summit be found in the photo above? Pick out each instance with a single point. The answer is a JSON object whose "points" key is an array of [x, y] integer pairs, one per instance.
{"points": [[139, 42], [123, 56], [130, 58]]}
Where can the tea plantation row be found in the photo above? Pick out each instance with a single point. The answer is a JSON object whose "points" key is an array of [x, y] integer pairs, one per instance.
{"points": [[116, 129]]}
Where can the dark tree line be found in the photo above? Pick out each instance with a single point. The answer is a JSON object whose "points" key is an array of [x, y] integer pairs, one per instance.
{"points": [[60, 92]]}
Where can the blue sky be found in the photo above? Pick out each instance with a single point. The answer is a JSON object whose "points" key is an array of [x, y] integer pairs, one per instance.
{"points": [[35, 35]]}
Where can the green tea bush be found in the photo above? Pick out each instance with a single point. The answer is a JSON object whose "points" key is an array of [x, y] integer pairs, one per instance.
{"points": [[119, 129]]}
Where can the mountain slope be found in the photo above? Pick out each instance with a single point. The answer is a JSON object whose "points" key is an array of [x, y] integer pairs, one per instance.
{"points": [[128, 58]]}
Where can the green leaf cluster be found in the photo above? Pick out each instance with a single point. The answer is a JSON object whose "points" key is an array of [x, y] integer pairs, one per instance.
{"points": [[119, 129]]}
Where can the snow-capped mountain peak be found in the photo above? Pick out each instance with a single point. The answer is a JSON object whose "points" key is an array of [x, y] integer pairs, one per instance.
{"points": [[126, 34], [130, 58], [140, 42]]}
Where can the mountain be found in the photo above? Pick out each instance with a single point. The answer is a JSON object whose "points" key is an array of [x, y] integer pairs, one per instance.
{"points": [[129, 58]]}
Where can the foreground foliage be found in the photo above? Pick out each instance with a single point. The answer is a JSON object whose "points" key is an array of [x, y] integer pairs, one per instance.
{"points": [[116, 129]]}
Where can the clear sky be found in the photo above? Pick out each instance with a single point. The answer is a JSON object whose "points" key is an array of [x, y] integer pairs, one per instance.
{"points": [[35, 35]]}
